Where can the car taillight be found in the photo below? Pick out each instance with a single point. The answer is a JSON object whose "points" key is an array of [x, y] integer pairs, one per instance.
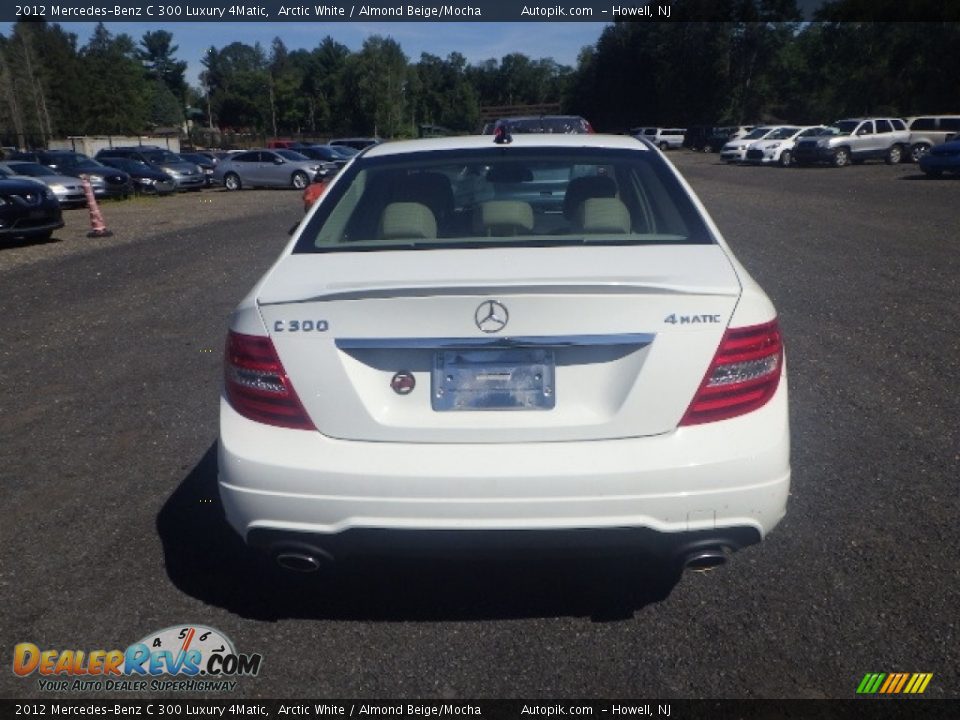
{"points": [[743, 376], [257, 386]]}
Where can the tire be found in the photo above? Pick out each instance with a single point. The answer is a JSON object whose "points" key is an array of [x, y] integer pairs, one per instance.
{"points": [[918, 151], [231, 181], [841, 157], [299, 180], [894, 155], [663, 147], [785, 158]]}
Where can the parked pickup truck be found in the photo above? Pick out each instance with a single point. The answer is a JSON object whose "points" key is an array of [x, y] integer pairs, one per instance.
{"points": [[856, 140]]}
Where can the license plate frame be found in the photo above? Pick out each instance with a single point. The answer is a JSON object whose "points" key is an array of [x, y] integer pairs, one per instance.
{"points": [[493, 379]]}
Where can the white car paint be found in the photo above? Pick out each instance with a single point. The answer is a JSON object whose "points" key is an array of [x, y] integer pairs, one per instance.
{"points": [[736, 150], [778, 147], [612, 453]]}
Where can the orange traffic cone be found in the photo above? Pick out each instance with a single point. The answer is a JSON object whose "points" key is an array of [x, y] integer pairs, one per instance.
{"points": [[98, 228]]}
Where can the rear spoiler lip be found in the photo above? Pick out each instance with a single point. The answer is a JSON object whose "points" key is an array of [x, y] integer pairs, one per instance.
{"points": [[612, 288]]}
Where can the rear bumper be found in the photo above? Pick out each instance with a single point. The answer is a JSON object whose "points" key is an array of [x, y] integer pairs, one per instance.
{"points": [[719, 479]]}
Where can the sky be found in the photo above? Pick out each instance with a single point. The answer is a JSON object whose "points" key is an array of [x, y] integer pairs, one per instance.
{"points": [[476, 41]]}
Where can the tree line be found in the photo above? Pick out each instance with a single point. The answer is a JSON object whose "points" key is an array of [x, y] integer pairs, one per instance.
{"points": [[748, 61]]}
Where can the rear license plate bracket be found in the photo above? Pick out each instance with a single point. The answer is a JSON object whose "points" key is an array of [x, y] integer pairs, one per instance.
{"points": [[493, 379]]}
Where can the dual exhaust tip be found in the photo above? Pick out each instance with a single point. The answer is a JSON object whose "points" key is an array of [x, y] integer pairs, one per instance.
{"points": [[311, 560], [302, 560], [705, 559]]}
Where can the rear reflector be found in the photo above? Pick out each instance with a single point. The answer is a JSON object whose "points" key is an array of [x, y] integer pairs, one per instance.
{"points": [[257, 386], [743, 376]]}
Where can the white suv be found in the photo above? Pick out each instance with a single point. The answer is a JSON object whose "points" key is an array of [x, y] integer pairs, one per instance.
{"points": [[663, 138]]}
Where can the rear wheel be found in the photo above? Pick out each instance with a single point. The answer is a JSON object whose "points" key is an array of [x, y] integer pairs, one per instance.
{"points": [[841, 157], [663, 146], [918, 151], [300, 180], [785, 158], [231, 181], [894, 155]]}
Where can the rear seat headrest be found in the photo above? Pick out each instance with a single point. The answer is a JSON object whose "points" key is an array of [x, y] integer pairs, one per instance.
{"points": [[604, 215], [581, 188], [407, 220], [506, 217]]}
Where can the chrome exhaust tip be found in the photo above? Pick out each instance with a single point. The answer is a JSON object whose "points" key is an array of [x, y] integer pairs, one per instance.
{"points": [[705, 559], [303, 561]]}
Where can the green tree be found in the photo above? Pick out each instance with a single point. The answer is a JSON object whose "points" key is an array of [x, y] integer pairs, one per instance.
{"points": [[163, 107], [378, 75], [115, 95], [156, 54]]}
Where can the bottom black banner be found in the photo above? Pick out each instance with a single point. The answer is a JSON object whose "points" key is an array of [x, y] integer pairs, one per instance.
{"points": [[886, 709]]}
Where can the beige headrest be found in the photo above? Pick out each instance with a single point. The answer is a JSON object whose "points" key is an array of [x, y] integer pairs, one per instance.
{"points": [[407, 220], [506, 217], [605, 215]]}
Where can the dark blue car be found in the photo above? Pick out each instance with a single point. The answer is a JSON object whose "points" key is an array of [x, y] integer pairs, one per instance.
{"points": [[942, 158]]}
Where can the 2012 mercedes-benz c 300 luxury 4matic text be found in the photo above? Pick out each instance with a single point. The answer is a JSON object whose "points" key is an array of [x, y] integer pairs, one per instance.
{"points": [[521, 337]]}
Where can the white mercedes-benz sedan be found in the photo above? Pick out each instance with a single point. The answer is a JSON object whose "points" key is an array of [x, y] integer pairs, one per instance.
{"points": [[492, 337]]}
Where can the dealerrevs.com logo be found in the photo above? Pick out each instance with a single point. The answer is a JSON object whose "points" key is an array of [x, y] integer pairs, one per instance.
{"points": [[179, 658]]}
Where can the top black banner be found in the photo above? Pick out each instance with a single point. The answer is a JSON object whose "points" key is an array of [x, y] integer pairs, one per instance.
{"points": [[166, 11]]}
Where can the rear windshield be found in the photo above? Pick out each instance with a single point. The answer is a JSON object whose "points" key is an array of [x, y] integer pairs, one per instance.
{"points": [[504, 197]]}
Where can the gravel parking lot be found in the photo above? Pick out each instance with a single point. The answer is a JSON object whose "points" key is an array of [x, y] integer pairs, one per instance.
{"points": [[146, 217], [110, 373]]}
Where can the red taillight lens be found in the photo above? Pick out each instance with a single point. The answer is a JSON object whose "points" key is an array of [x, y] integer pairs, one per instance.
{"points": [[743, 376], [257, 386]]}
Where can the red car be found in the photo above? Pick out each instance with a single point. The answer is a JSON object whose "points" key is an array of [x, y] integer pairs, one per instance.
{"points": [[314, 190]]}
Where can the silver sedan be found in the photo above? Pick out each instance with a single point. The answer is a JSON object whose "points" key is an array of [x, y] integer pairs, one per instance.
{"points": [[266, 168], [68, 189]]}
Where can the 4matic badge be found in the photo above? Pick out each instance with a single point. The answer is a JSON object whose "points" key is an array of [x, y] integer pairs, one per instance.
{"points": [[674, 319], [182, 651]]}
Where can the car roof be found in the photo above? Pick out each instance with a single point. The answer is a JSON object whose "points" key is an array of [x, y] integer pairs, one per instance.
{"points": [[530, 140]]}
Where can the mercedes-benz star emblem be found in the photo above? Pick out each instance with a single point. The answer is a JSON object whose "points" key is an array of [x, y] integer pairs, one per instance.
{"points": [[491, 316]]}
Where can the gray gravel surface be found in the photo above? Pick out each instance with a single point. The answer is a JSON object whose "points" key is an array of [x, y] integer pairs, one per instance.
{"points": [[109, 378]]}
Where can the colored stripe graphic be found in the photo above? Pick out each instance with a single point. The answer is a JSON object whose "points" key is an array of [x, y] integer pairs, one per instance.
{"points": [[894, 683]]}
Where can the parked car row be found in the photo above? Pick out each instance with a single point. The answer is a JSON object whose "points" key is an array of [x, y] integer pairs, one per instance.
{"points": [[848, 141]]}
